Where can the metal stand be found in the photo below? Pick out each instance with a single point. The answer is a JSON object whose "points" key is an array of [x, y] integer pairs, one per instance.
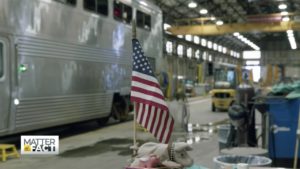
{"points": [[297, 142], [135, 146], [296, 151]]}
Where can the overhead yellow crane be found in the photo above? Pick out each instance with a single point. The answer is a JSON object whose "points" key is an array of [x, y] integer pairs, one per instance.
{"points": [[213, 29]]}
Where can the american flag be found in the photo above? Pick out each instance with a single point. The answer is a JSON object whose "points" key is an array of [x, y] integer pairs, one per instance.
{"points": [[151, 108]]}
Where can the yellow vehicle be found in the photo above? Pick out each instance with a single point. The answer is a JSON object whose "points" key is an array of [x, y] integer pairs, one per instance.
{"points": [[226, 79], [225, 83], [222, 98]]}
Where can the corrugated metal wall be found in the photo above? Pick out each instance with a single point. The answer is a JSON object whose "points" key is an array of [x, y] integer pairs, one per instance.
{"points": [[287, 57]]}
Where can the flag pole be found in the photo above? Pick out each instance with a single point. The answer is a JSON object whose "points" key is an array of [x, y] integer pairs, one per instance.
{"points": [[134, 107]]}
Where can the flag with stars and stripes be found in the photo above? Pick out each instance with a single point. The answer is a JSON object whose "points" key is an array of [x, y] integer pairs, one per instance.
{"points": [[151, 109]]}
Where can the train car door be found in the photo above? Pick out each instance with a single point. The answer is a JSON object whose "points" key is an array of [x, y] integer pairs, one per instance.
{"points": [[4, 85]]}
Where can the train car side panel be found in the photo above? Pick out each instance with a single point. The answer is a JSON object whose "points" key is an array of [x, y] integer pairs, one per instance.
{"points": [[4, 84], [73, 61]]}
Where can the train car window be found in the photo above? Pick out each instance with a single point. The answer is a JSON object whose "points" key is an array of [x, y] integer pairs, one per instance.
{"points": [[122, 12], [143, 20], [127, 13], [1, 60], [147, 21], [102, 7], [140, 19], [98, 6], [89, 5], [68, 2], [117, 10]]}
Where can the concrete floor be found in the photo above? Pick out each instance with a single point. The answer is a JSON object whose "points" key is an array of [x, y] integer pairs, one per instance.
{"points": [[108, 147]]}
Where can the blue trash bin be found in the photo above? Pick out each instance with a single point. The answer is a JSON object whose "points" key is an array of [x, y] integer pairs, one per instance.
{"points": [[283, 120]]}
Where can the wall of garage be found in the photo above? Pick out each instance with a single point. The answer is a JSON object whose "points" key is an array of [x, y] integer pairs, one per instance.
{"points": [[191, 62], [285, 57], [289, 59]]}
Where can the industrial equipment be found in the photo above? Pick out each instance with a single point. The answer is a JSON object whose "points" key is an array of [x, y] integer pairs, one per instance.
{"points": [[240, 105], [283, 128], [242, 117], [225, 81]]}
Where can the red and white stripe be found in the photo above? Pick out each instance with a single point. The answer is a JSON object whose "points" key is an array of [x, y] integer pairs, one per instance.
{"points": [[151, 108], [156, 121]]}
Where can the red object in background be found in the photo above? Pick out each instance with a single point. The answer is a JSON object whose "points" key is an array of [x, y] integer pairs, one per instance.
{"points": [[117, 12]]}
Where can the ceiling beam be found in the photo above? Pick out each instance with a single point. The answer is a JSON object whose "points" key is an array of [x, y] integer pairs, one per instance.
{"points": [[212, 29]]}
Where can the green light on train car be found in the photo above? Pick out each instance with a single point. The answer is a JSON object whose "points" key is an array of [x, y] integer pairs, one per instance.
{"points": [[22, 68]]}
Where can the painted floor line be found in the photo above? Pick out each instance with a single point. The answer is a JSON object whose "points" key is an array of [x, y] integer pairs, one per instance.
{"points": [[199, 101]]}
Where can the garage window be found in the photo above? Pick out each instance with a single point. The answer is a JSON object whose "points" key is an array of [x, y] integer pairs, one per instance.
{"points": [[97, 6], [1, 60], [169, 47], [197, 54]]}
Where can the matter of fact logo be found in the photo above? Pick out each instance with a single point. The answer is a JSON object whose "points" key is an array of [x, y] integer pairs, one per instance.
{"points": [[39, 145]]}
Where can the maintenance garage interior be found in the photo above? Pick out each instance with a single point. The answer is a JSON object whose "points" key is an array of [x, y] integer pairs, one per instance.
{"points": [[145, 84]]}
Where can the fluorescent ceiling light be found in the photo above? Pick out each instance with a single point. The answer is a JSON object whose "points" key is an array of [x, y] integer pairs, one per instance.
{"points": [[292, 39], [282, 6], [283, 13], [240, 36], [203, 11], [192, 4], [236, 34], [293, 44], [290, 35], [289, 31], [285, 19], [219, 22], [246, 41], [166, 26]]}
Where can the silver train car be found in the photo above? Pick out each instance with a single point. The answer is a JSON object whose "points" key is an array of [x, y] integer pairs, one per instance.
{"points": [[66, 61]]}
